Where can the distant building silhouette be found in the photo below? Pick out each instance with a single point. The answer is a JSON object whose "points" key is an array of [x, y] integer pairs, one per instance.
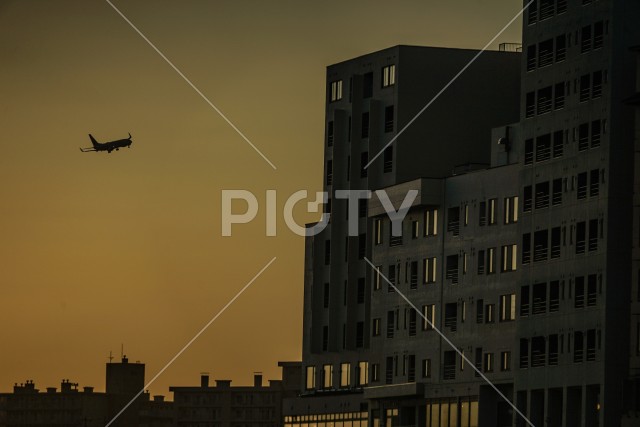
{"points": [[224, 405]]}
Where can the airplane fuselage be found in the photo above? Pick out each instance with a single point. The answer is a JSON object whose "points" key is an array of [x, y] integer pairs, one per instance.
{"points": [[108, 146]]}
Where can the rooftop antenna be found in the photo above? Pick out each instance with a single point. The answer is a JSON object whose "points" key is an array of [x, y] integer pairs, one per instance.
{"points": [[122, 351], [110, 356]]}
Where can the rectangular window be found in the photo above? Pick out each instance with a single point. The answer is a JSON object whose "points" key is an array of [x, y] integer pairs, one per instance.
{"points": [[330, 133], [375, 327], [377, 231], [329, 173], [491, 260], [426, 368], [511, 210], [413, 279], [451, 272], [531, 57], [488, 362], [524, 301], [388, 370], [429, 270], [585, 39], [596, 89], [389, 75], [528, 151], [361, 291], [479, 311], [593, 235], [594, 182], [367, 85], [387, 157], [558, 96], [364, 159], [526, 248], [555, 242], [453, 220], [429, 317], [412, 322], [554, 296], [431, 222], [375, 372], [530, 109], [596, 133], [583, 136], [556, 192], [325, 297], [415, 229], [543, 147], [558, 144], [545, 53], [311, 378], [345, 374], [505, 361], [509, 257], [391, 322], [482, 212], [377, 279], [581, 231], [365, 126], [490, 313], [585, 87], [336, 90], [540, 245], [327, 376], [392, 277], [481, 264], [363, 373], [360, 334], [598, 34], [528, 198], [539, 298], [507, 307], [492, 213], [544, 100], [388, 118], [561, 48]]}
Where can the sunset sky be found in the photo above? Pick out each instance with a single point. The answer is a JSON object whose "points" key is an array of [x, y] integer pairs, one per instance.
{"points": [[101, 249]]}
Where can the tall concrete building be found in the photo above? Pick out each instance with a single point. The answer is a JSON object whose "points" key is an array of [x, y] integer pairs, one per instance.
{"points": [[519, 255]]}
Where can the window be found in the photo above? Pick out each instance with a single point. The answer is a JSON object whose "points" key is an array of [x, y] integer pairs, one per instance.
{"points": [[578, 347], [530, 109], [545, 53], [539, 298], [511, 210], [558, 96], [325, 296], [558, 144], [412, 322], [392, 277], [596, 133], [555, 242], [375, 328], [544, 100], [554, 295], [363, 373], [311, 378], [556, 192], [491, 260], [507, 307], [528, 198], [453, 220], [488, 362], [415, 229], [505, 361], [596, 88], [377, 231], [391, 321], [413, 279], [592, 292], [585, 87], [594, 182], [388, 118], [387, 157], [367, 85], [540, 245], [492, 214], [553, 349], [330, 133], [531, 57], [489, 313], [524, 353], [480, 311], [481, 262], [509, 256], [532, 15], [429, 270], [593, 235], [528, 151], [361, 292], [598, 34], [581, 192], [365, 126], [336, 90], [585, 39], [542, 195], [561, 48], [377, 280], [580, 237], [429, 317], [449, 368], [543, 147], [452, 269], [451, 316], [547, 8], [431, 222], [327, 376], [426, 368], [375, 372], [389, 75], [389, 370], [482, 212], [325, 338], [526, 248], [329, 172], [364, 159], [345, 374]]}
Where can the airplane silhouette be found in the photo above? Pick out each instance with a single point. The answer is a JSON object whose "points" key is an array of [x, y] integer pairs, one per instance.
{"points": [[108, 146]]}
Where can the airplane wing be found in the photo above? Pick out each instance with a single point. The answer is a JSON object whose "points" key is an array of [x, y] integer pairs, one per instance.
{"points": [[86, 150]]}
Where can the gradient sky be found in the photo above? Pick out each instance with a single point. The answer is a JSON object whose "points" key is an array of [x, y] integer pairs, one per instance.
{"points": [[100, 249]]}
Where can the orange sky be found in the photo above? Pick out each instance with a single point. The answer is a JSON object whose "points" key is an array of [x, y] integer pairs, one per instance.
{"points": [[101, 249]]}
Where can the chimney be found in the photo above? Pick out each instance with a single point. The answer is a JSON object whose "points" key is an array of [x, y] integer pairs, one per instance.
{"points": [[257, 379], [204, 380], [223, 383], [158, 398], [51, 390]]}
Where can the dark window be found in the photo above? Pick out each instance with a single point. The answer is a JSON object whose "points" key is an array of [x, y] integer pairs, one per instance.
{"points": [[543, 147], [540, 245], [596, 90], [585, 87], [326, 296], [544, 100], [593, 235], [528, 152], [481, 264], [581, 192], [391, 317], [578, 347], [362, 245], [591, 345], [556, 192], [555, 242], [330, 133], [524, 301], [527, 198], [413, 284], [539, 298], [545, 53], [538, 352], [451, 316], [526, 248], [388, 159], [482, 212], [531, 58], [580, 237], [583, 136], [479, 311], [329, 173], [524, 353], [532, 15], [553, 349], [360, 334], [598, 34], [388, 118], [592, 290], [596, 131], [558, 144], [449, 365], [594, 182], [554, 296], [392, 277], [530, 109], [364, 159], [542, 195], [561, 48], [547, 8], [452, 269], [558, 96], [361, 291], [561, 6], [367, 85], [365, 125], [389, 370], [453, 220], [585, 39]]}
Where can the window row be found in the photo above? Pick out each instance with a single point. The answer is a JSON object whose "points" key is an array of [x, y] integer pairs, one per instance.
{"points": [[425, 228], [486, 262], [547, 52], [583, 235], [541, 298], [539, 10], [550, 193], [540, 351], [343, 376], [487, 214], [387, 78]]}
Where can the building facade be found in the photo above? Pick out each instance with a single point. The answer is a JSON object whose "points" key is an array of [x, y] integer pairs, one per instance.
{"points": [[518, 257]]}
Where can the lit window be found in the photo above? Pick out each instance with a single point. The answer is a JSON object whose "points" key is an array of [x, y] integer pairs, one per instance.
{"points": [[489, 313], [327, 376], [415, 229], [377, 231], [376, 283], [363, 373], [429, 317], [426, 368], [492, 211], [488, 362], [336, 90], [429, 270], [507, 307], [491, 258], [376, 327], [505, 361], [345, 375], [431, 222], [389, 75], [511, 210], [311, 378], [509, 257]]}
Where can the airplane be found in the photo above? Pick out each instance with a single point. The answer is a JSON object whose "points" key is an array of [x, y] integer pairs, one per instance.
{"points": [[108, 146]]}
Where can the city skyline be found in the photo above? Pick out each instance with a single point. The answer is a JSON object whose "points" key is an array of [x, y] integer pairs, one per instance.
{"points": [[99, 249]]}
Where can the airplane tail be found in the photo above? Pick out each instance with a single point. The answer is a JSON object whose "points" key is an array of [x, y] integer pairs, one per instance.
{"points": [[93, 141], [129, 135]]}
